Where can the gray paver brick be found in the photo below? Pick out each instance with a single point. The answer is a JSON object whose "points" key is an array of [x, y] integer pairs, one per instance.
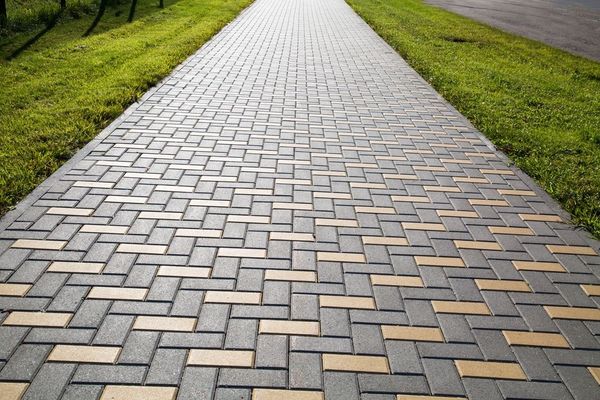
{"points": [[335, 322], [481, 389], [442, 377], [197, 383], [340, 386], [534, 390], [114, 330], [367, 339], [139, 348], [78, 392], [535, 364], [579, 381], [241, 334], [49, 382], [403, 357], [10, 337], [392, 383], [493, 345], [305, 371], [213, 317], [271, 351], [109, 374], [191, 340], [239, 377], [166, 367], [232, 394], [24, 362], [59, 335], [90, 314]]}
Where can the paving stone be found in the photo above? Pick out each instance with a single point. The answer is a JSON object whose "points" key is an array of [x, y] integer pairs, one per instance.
{"points": [[213, 317], [114, 330], [392, 383], [489, 369], [340, 386], [493, 345], [378, 317], [75, 392], [481, 389], [84, 354], [335, 322], [24, 362], [305, 371], [367, 339], [90, 314], [420, 313], [197, 383], [60, 335], [109, 374], [455, 328], [166, 367], [236, 377], [121, 392], [572, 357], [187, 303], [535, 364], [304, 307], [49, 382], [271, 351], [10, 338], [308, 328], [187, 340], [403, 357], [577, 334], [232, 394], [534, 390], [355, 363], [68, 299], [241, 334], [30, 318], [442, 377], [168, 324], [320, 344], [139, 348]]}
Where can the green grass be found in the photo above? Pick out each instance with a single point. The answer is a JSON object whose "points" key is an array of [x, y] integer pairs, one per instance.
{"points": [[538, 104], [24, 15], [62, 91]]}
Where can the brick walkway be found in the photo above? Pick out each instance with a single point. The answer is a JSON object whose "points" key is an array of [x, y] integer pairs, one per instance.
{"points": [[295, 209]]}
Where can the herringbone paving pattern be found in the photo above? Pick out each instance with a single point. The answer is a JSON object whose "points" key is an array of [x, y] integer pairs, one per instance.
{"points": [[295, 214]]}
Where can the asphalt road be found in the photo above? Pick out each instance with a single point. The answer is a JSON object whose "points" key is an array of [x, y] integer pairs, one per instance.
{"points": [[571, 25]]}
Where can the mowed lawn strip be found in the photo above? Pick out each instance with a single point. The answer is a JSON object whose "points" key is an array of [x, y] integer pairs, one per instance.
{"points": [[539, 105], [57, 95]]}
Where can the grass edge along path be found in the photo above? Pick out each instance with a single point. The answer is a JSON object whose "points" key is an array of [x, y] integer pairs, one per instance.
{"points": [[59, 94], [539, 105]]}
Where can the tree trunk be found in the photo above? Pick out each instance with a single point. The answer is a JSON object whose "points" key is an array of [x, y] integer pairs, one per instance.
{"points": [[3, 15], [98, 17], [132, 10], [63, 4], [161, 3]]}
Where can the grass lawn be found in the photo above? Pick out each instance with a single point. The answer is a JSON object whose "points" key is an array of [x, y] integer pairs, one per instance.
{"points": [[24, 15], [539, 105], [57, 95]]}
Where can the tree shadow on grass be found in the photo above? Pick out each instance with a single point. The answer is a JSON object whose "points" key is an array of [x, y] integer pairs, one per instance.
{"points": [[51, 24], [113, 17], [158, 5], [99, 15]]}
